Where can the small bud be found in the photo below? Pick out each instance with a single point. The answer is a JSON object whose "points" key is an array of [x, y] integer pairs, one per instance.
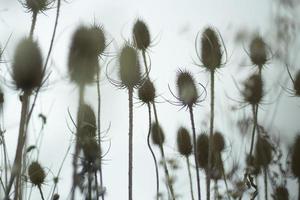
{"points": [[258, 53], [184, 143], [211, 50], [296, 157], [147, 92], [36, 174], [158, 136], [141, 35], [187, 89], [253, 89], [202, 150]]}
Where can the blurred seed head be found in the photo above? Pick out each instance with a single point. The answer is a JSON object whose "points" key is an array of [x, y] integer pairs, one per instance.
{"points": [[36, 6], [158, 136], [36, 173], [187, 89], [263, 152], [211, 53], [281, 193], [202, 150], [258, 52], [219, 143], [252, 165], [297, 84], [55, 197], [85, 47], [253, 89], [27, 66], [86, 120], [129, 72], [184, 143], [98, 36], [147, 92], [295, 165], [91, 150], [141, 35]]}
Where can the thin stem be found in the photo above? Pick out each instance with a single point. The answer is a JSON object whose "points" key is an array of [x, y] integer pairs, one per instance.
{"points": [[96, 184], [216, 190], [266, 182], [33, 23], [130, 99], [145, 63], [164, 158], [210, 146], [152, 152], [41, 192], [190, 176], [224, 175], [89, 183], [195, 150], [255, 111]]}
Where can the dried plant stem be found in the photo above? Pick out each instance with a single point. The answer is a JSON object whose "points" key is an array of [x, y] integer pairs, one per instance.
{"points": [[33, 23], [130, 152], [89, 183], [99, 132], [41, 192], [190, 176], [298, 188], [224, 176], [16, 170], [152, 152], [266, 182], [255, 111], [96, 185], [195, 150], [145, 63], [169, 183], [216, 190], [210, 150]]}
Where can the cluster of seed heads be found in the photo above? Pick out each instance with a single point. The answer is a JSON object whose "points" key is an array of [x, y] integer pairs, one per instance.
{"points": [[141, 35], [36, 174], [211, 53], [258, 51], [253, 89], [184, 143], [146, 92], [187, 90], [27, 67], [158, 136]]}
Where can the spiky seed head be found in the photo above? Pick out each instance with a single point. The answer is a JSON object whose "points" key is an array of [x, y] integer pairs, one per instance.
{"points": [[86, 122], [147, 92], [252, 164], [98, 36], [184, 143], [281, 193], [37, 6], [187, 89], [129, 72], [202, 150], [219, 143], [297, 84], [83, 55], [296, 157], [27, 67], [263, 152], [55, 197], [158, 136], [258, 52], [36, 173], [211, 53], [91, 150], [141, 35], [253, 89]]}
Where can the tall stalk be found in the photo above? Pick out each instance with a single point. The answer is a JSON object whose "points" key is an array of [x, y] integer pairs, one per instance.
{"points": [[33, 23], [266, 182], [190, 176], [195, 150], [130, 100]]}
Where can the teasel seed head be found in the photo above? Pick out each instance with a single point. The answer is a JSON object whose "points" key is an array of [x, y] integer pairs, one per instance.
{"points": [[187, 90], [253, 165], [158, 136], [91, 150], [27, 67], [86, 120], [36, 174], [258, 52], [141, 35], [295, 165], [253, 89], [98, 36], [263, 152], [297, 84], [211, 53], [83, 55], [129, 71], [219, 143], [217, 166], [281, 193], [147, 92], [202, 150], [36, 6], [184, 143]]}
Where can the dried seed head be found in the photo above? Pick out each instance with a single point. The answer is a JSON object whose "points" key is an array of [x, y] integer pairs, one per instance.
{"points": [[98, 36], [141, 35], [86, 120], [184, 143], [129, 71], [147, 92], [202, 151], [158, 136], [91, 150], [253, 89], [36, 173], [258, 53], [263, 152], [219, 143], [27, 67], [281, 193], [187, 89], [297, 84], [37, 6], [83, 55], [211, 53], [252, 165], [296, 158]]}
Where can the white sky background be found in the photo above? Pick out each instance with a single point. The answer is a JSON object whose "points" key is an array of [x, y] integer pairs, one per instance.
{"points": [[175, 23]]}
